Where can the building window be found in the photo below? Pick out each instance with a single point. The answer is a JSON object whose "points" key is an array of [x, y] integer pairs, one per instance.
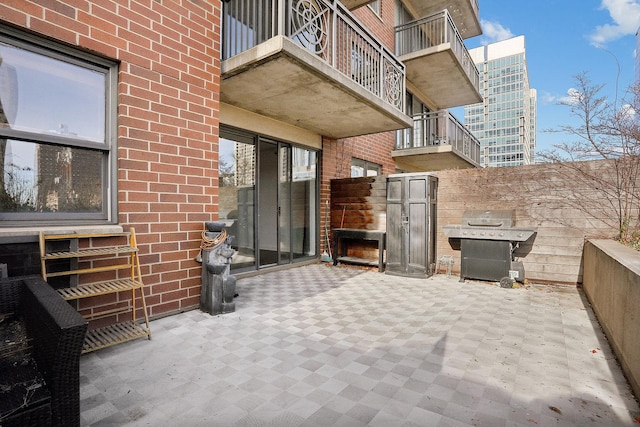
{"points": [[57, 133], [375, 6], [364, 168]]}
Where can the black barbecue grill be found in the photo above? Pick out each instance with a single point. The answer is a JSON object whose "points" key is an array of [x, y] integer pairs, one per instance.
{"points": [[488, 239]]}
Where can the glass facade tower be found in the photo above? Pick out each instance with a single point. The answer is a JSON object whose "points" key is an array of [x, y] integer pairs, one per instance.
{"points": [[505, 122]]}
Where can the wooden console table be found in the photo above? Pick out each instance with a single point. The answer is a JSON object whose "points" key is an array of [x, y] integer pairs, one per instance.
{"points": [[342, 235]]}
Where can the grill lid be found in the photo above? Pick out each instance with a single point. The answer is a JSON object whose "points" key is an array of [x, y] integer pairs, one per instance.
{"points": [[505, 218], [489, 225]]}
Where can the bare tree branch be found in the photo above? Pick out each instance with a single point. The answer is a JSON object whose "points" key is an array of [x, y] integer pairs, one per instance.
{"points": [[604, 132]]}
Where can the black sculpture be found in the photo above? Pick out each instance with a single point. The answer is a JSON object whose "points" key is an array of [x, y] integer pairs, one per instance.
{"points": [[218, 286]]}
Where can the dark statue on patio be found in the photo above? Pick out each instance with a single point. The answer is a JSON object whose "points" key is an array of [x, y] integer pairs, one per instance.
{"points": [[218, 286]]}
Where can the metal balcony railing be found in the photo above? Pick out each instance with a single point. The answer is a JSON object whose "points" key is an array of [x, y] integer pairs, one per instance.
{"points": [[440, 128], [434, 30], [324, 27]]}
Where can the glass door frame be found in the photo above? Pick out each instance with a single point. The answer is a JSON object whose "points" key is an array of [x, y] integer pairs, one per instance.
{"points": [[266, 191], [284, 206]]}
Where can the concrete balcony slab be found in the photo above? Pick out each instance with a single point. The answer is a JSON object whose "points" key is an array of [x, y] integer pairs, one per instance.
{"points": [[286, 82]]}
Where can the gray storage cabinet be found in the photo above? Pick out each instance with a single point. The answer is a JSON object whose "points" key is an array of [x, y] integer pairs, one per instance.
{"points": [[411, 224]]}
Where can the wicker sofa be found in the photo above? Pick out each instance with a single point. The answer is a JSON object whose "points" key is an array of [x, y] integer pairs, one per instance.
{"points": [[39, 376]]}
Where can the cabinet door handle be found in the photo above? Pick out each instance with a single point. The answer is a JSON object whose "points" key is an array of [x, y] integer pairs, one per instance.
{"points": [[405, 222]]}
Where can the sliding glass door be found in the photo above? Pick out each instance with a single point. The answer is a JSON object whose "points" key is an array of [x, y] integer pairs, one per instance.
{"points": [[268, 199], [304, 203], [237, 185], [268, 203]]}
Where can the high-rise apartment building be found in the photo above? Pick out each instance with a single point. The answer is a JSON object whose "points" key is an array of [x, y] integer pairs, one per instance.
{"points": [[505, 122]]}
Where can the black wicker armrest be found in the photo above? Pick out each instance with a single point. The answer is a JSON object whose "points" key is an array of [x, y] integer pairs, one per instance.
{"points": [[10, 295], [58, 332]]}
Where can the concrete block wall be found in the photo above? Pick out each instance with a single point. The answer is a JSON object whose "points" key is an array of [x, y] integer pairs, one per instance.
{"points": [[612, 285], [168, 104]]}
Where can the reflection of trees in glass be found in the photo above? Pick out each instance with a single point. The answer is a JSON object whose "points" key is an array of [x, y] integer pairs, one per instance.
{"points": [[69, 180], [6, 73], [3, 149], [65, 180], [245, 165], [17, 193], [226, 172]]}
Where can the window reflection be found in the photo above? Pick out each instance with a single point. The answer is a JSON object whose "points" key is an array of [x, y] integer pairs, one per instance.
{"points": [[57, 135], [303, 202], [45, 95], [237, 167], [48, 178]]}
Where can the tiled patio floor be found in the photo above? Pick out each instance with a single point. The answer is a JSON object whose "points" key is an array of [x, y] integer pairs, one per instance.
{"points": [[320, 345]]}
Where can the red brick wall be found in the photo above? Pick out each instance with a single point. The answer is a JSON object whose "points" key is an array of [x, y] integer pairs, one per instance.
{"points": [[381, 26], [168, 104]]}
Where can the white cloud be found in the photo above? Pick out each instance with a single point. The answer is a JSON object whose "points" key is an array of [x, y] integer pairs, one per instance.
{"points": [[548, 98], [627, 111], [626, 20], [494, 32], [572, 97]]}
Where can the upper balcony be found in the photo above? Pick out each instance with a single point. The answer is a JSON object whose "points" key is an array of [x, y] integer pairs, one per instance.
{"points": [[437, 61], [354, 4], [311, 64], [437, 141], [465, 13]]}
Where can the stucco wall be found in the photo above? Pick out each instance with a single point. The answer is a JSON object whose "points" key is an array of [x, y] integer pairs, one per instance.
{"points": [[612, 284]]}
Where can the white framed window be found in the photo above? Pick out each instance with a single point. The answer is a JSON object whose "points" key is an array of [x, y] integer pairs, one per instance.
{"points": [[376, 7], [361, 168], [57, 133]]}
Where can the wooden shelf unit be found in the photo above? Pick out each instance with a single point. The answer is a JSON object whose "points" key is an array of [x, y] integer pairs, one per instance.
{"points": [[91, 256]]}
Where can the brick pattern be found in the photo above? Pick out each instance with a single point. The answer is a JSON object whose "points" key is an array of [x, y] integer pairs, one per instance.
{"points": [[381, 26], [168, 104]]}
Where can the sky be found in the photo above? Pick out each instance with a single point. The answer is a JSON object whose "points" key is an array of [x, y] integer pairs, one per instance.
{"points": [[562, 39]]}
